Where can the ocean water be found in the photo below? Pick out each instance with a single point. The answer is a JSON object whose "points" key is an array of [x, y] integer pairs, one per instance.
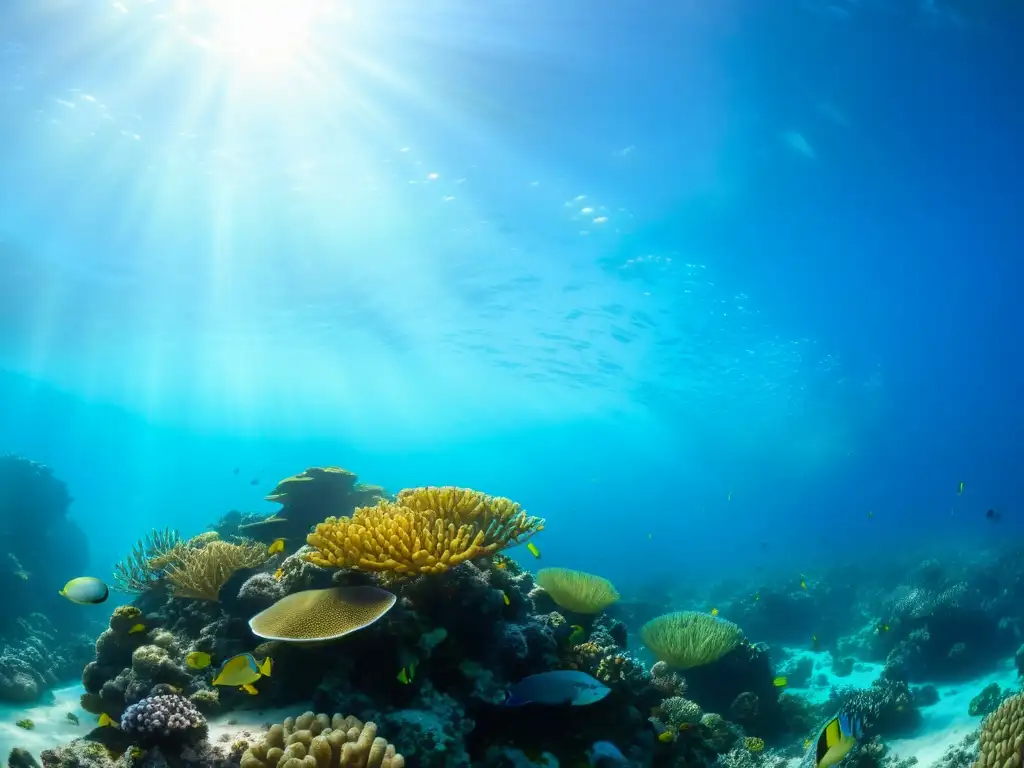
{"points": [[726, 292]]}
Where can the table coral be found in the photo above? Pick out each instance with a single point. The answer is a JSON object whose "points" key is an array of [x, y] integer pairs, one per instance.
{"points": [[315, 615], [426, 530]]}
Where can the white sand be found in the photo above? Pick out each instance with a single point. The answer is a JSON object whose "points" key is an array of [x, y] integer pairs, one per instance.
{"points": [[52, 726]]}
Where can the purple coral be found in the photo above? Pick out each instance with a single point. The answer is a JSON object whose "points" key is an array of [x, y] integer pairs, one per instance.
{"points": [[164, 717]]}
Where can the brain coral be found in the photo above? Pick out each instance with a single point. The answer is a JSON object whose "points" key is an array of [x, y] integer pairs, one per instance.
{"points": [[319, 741], [321, 614], [577, 591], [688, 639], [426, 530], [1002, 736]]}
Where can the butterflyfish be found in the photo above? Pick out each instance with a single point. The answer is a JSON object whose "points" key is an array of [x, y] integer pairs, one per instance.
{"points": [[533, 549], [198, 660], [714, 611], [504, 596], [85, 590], [248, 688], [136, 629], [276, 546], [407, 674], [665, 737], [241, 670], [561, 687], [106, 721], [837, 738], [780, 681]]}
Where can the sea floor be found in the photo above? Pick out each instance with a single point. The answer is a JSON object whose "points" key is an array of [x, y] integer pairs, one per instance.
{"points": [[944, 724]]}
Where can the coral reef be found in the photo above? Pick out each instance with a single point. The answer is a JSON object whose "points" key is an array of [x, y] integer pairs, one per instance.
{"points": [[577, 591], [1002, 734], [690, 639], [161, 719], [35, 657]]}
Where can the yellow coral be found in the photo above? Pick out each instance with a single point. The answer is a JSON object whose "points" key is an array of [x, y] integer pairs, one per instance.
{"points": [[577, 591], [426, 530], [319, 741], [199, 573], [1002, 736], [690, 639]]}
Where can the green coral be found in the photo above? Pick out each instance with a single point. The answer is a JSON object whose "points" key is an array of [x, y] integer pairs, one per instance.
{"points": [[688, 639], [25, 723]]}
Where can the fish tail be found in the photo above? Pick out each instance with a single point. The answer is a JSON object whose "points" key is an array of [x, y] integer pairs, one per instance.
{"points": [[265, 667]]}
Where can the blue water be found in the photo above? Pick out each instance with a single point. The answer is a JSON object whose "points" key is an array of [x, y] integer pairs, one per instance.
{"points": [[690, 280]]}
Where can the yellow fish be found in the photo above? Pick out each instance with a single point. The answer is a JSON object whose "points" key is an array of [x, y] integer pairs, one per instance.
{"points": [[780, 681], [248, 688], [757, 596], [106, 721], [836, 739], [198, 659], [883, 627], [960, 491], [278, 574], [665, 737], [242, 669], [803, 584], [505, 598], [136, 629], [714, 611], [578, 634], [533, 549], [277, 545]]}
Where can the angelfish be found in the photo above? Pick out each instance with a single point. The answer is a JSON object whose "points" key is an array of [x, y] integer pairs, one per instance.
{"points": [[837, 738]]}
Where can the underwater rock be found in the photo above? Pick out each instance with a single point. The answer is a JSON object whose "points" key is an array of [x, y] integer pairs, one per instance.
{"points": [[37, 657], [987, 701], [21, 758]]}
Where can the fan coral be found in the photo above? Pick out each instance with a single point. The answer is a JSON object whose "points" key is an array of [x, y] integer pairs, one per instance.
{"points": [[164, 717], [577, 591], [199, 573], [427, 530], [319, 741], [688, 639], [322, 614], [1002, 734]]}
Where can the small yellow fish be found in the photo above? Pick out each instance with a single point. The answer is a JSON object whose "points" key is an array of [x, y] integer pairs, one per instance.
{"points": [[278, 574], [665, 737], [803, 584], [242, 669], [248, 688], [505, 598], [533, 549], [136, 753], [883, 627], [106, 721], [780, 681], [136, 629], [277, 545], [578, 635], [714, 611], [757, 596], [198, 660], [960, 492]]}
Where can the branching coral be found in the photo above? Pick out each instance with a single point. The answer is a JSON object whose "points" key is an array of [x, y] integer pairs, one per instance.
{"points": [[200, 572], [143, 568], [319, 741], [426, 530], [577, 591], [690, 639]]}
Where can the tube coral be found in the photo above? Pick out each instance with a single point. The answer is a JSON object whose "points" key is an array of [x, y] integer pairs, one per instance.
{"points": [[426, 530]]}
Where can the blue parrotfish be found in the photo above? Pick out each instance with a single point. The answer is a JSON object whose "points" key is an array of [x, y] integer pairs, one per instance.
{"points": [[561, 687]]}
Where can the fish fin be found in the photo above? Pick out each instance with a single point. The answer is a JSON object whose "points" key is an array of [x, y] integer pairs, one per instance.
{"points": [[265, 667], [829, 737]]}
